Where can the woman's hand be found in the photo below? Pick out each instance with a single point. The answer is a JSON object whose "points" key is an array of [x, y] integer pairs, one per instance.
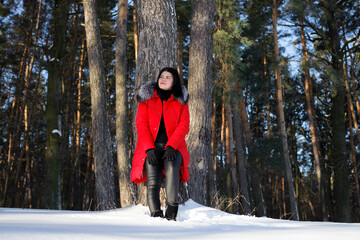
{"points": [[169, 154], [152, 157]]}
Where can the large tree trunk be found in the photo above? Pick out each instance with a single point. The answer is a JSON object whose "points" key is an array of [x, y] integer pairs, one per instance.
{"points": [[53, 114], [281, 120], [313, 125], [121, 106], [200, 87], [338, 140], [157, 33], [104, 169]]}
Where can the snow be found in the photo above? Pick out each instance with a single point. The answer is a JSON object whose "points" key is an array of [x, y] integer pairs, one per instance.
{"points": [[57, 131], [194, 221]]}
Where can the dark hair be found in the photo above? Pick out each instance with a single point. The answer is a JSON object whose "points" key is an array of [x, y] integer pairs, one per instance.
{"points": [[176, 87]]}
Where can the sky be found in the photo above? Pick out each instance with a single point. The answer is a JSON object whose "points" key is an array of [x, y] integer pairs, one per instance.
{"points": [[194, 221]]}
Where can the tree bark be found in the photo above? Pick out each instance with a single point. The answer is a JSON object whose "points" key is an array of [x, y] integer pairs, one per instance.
{"points": [[104, 169], [266, 78], [254, 171], [121, 106], [281, 120], [136, 39], [232, 184], [200, 88], [53, 108], [180, 49], [338, 140], [157, 33], [211, 186], [240, 161]]}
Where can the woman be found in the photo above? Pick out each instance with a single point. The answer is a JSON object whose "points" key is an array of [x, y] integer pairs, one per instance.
{"points": [[162, 123]]}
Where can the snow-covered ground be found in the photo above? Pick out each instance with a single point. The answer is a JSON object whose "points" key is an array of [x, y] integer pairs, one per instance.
{"points": [[194, 222]]}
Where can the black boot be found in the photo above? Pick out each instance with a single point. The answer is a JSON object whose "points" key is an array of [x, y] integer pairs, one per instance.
{"points": [[157, 213], [171, 212]]}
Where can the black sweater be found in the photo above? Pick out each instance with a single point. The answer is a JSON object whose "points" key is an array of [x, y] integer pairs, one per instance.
{"points": [[162, 138]]}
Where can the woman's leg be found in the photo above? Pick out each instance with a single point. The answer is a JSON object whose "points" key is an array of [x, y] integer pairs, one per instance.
{"points": [[153, 176], [172, 169]]}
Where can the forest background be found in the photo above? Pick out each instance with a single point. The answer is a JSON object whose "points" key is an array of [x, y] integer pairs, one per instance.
{"points": [[272, 134]]}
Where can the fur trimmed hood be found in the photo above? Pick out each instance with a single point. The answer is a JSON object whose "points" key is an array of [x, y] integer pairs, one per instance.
{"points": [[147, 91]]}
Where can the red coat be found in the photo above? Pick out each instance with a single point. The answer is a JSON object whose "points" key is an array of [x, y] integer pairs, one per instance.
{"points": [[176, 119]]}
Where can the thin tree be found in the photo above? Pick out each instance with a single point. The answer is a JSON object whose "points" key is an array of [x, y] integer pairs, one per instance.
{"points": [[27, 115], [312, 122], [200, 87], [254, 169], [231, 183], [281, 120], [121, 106], [240, 159], [104, 169]]}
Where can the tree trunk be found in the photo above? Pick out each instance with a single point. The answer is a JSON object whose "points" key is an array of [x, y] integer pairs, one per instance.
{"points": [[78, 103], [53, 113], [353, 157], [211, 189], [200, 87], [338, 140], [348, 91], [232, 185], [352, 118], [354, 86], [180, 49], [121, 106], [281, 120], [136, 39], [312, 122], [240, 160], [351, 106], [356, 176], [157, 33], [266, 78], [254, 171], [352, 73], [104, 175]]}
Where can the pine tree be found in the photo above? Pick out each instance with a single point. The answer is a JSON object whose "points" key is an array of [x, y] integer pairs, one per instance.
{"points": [[200, 86], [53, 114], [104, 169], [121, 106], [155, 20]]}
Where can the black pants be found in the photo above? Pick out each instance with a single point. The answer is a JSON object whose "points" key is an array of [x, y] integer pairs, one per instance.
{"points": [[154, 175]]}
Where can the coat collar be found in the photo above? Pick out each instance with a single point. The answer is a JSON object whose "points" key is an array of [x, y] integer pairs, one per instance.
{"points": [[148, 90]]}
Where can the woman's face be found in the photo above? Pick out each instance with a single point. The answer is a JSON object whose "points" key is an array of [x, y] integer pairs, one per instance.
{"points": [[166, 81]]}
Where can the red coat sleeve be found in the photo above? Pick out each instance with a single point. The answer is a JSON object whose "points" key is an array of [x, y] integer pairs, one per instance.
{"points": [[142, 127], [178, 136]]}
